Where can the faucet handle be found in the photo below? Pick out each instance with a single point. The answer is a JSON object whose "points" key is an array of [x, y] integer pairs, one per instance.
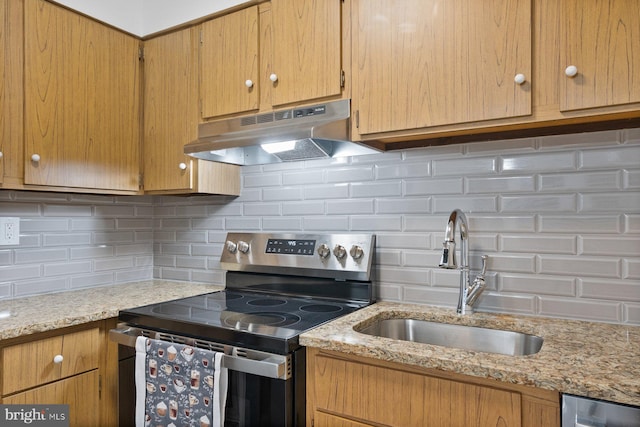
{"points": [[484, 266]]}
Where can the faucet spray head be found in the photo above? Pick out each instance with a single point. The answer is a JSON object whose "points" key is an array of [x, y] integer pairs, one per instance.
{"points": [[448, 259]]}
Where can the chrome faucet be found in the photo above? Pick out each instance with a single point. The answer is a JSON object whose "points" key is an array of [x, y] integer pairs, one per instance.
{"points": [[469, 293]]}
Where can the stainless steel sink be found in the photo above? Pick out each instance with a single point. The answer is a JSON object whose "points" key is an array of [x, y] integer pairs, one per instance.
{"points": [[456, 336]]}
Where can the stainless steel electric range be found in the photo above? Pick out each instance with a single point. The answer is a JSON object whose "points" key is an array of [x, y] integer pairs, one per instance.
{"points": [[277, 287]]}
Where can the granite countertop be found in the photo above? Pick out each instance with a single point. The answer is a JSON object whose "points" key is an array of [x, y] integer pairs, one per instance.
{"points": [[590, 359], [40, 313]]}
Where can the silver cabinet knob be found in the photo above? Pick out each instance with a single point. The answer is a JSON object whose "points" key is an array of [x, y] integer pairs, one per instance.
{"points": [[243, 247], [182, 166], [520, 79], [356, 252], [324, 251], [57, 359], [339, 251], [231, 247]]}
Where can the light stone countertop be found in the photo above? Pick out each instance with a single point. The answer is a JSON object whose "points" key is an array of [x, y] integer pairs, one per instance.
{"points": [[596, 360], [40, 313]]}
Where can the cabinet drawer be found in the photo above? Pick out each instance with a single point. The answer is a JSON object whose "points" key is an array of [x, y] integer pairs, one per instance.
{"points": [[32, 363], [80, 393]]}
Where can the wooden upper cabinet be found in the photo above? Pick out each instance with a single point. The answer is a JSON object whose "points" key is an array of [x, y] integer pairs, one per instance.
{"points": [[439, 62], [307, 54], [277, 53], [171, 120], [229, 64], [601, 39], [82, 102]]}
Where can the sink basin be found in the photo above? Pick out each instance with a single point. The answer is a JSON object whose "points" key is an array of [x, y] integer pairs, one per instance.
{"points": [[456, 336]]}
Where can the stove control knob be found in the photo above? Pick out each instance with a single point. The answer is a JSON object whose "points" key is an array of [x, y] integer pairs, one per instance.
{"points": [[324, 251], [243, 247], [356, 252], [339, 251], [232, 247]]}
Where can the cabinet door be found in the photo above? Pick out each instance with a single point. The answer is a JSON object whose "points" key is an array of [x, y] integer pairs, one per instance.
{"points": [[601, 38], [427, 63], [82, 102], [11, 93], [307, 55], [170, 110], [228, 62], [81, 393]]}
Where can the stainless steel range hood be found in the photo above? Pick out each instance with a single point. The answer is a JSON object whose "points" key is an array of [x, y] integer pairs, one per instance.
{"points": [[302, 133]]}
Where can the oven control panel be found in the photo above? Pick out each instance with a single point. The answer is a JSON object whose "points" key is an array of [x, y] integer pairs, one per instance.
{"points": [[342, 256]]}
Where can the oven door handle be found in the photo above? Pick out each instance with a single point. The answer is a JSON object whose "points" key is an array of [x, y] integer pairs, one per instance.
{"points": [[255, 362]]}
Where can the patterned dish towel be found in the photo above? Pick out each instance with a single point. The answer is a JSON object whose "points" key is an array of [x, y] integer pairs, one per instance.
{"points": [[178, 385]]}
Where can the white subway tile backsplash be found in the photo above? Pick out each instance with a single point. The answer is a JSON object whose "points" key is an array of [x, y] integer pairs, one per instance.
{"points": [[593, 181], [402, 170], [580, 308], [427, 187], [465, 166], [558, 216], [613, 245], [539, 203], [340, 207], [626, 201], [537, 285], [477, 204], [539, 244], [628, 290], [404, 205], [539, 162], [631, 269], [500, 184], [377, 189], [580, 224], [621, 156], [581, 266]]}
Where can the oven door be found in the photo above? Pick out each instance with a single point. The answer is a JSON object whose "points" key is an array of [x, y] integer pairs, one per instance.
{"points": [[263, 389]]}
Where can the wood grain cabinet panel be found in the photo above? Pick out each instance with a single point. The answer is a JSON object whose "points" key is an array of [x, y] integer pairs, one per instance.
{"points": [[353, 391], [432, 63], [31, 364], [81, 393], [307, 53], [229, 60], [82, 102], [171, 120], [11, 94], [601, 38]]}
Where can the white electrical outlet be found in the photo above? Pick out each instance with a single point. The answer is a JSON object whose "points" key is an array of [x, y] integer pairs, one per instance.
{"points": [[9, 231]]}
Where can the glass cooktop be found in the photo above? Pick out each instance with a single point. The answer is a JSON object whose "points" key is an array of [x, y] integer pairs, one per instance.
{"points": [[248, 319]]}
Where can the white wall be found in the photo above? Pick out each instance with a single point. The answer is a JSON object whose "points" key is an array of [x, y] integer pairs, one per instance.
{"points": [[143, 17]]}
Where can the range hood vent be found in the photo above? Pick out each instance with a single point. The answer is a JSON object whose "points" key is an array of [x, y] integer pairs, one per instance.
{"points": [[303, 133]]}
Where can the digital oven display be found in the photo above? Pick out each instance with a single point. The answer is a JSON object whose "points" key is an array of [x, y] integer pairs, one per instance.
{"points": [[290, 247]]}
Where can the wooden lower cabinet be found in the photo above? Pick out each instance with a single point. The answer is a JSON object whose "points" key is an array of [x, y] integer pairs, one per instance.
{"points": [[354, 391], [76, 366]]}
